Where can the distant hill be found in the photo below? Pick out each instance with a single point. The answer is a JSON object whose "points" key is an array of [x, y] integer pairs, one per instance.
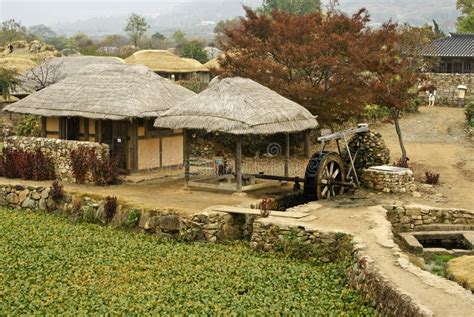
{"points": [[197, 17]]}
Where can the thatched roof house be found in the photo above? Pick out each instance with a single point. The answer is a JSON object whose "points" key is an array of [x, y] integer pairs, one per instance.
{"points": [[17, 64], [238, 106], [169, 65], [113, 104], [56, 69]]}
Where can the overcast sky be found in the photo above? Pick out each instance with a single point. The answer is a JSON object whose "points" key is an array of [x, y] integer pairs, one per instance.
{"points": [[32, 12]]}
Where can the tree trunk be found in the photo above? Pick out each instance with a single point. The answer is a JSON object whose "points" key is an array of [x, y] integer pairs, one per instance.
{"points": [[396, 117]]}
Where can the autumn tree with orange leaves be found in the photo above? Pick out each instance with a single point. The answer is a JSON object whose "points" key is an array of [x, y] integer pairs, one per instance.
{"points": [[331, 63]]}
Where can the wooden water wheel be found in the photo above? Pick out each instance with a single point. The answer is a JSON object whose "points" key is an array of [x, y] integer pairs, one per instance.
{"points": [[325, 176]]}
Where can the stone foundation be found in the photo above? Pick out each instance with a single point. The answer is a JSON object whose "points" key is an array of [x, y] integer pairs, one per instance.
{"points": [[389, 179], [59, 150]]}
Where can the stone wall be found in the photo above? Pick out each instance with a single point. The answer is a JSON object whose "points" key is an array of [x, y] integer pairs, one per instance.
{"points": [[363, 275], [209, 226], [389, 179], [409, 217], [446, 85], [59, 150]]}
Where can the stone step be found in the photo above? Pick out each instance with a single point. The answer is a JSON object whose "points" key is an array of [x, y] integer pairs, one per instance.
{"points": [[249, 211]]}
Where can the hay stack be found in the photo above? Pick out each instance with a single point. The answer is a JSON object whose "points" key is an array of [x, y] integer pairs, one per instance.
{"points": [[372, 151]]}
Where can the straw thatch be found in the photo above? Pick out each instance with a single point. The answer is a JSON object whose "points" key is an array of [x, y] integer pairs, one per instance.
{"points": [[17, 64], [107, 91], [164, 62], [56, 69], [197, 64], [213, 63], [238, 106]]}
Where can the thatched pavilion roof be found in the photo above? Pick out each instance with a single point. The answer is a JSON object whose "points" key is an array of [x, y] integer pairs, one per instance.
{"points": [[238, 106], [107, 91], [17, 64], [196, 64], [56, 69], [164, 62]]}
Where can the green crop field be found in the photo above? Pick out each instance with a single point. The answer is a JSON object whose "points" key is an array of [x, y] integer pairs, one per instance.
{"points": [[49, 265]]}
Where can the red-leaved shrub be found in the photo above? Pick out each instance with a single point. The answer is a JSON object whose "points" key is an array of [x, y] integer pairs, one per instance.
{"points": [[27, 165], [80, 163], [105, 171]]}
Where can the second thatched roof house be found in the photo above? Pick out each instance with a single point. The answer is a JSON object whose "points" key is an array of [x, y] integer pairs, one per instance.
{"points": [[169, 65], [114, 104]]}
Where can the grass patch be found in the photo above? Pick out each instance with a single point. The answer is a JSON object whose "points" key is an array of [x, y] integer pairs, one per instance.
{"points": [[438, 264], [51, 266]]}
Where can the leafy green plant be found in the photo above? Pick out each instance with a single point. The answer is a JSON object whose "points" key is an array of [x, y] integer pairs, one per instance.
{"points": [[194, 85], [105, 271], [470, 114], [438, 264], [89, 214], [132, 218], [28, 125], [374, 113]]}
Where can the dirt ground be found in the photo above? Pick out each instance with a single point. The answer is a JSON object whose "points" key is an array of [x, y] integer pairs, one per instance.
{"points": [[436, 142]]}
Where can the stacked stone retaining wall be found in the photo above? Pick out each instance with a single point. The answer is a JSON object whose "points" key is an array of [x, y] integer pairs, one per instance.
{"points": [[398, 180], [446, 85], [57, 149], [410, 217]]}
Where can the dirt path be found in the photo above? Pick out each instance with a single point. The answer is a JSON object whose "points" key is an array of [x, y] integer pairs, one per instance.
{"points": [[370, 227], [436, 142]]}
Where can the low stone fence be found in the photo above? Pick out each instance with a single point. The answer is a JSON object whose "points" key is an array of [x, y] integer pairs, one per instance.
{"points": [[409, 217], [59, 150], [389, 179]]}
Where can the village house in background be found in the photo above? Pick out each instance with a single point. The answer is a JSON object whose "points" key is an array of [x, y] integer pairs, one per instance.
{"points": [[115, 104], [452, 72], [170, 66]]}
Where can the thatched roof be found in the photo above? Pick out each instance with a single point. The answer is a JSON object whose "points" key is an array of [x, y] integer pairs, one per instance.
{"points": [[17, 64], [238, 106], [56, 69], [213, 63], [197, 64], [107, 91], [164, 62]]}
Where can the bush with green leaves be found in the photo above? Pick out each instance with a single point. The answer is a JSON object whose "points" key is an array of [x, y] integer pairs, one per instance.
{"points": [[60, 268], [89, 214], [28, 125], [373, 113], [131, 220], [470, 114]]}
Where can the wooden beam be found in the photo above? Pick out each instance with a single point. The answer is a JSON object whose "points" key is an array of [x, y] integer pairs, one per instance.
{"points": [[287, 155], [307, 144], [238, 164], [134, 145], [186, 156]]}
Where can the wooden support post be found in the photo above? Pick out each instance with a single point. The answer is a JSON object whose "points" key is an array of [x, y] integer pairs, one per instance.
{"points": [[86, 129], [134, 146], [287, 155], [43, 127], [186, 156], [307, 144], [238, 164]]}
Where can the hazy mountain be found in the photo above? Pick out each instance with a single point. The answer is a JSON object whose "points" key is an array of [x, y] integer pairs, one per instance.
{"points": [[196, 17]]}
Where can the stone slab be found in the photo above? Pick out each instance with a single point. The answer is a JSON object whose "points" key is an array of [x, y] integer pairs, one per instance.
{"points": [[249, 211]]}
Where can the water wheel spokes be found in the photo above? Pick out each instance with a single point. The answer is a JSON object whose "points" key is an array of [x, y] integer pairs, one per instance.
{"points": [[329, 176]]}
